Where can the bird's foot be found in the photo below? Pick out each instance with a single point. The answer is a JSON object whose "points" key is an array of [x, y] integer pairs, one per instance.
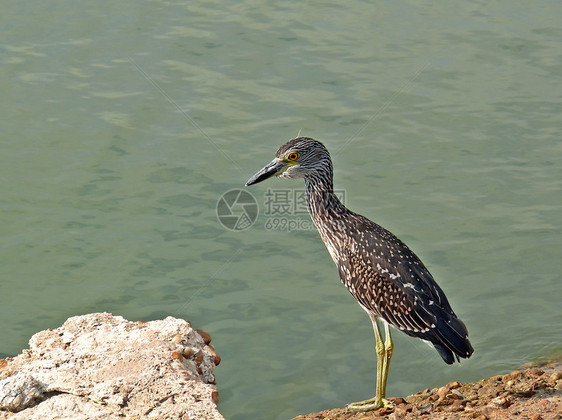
{"points": [[368, 405]]}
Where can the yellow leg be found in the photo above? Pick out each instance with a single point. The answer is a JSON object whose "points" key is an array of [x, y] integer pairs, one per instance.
{"points": [[388, 348], [384, 353]]}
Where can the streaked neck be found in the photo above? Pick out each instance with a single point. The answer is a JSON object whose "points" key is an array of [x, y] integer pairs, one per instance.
{"points": [[322, 203]]}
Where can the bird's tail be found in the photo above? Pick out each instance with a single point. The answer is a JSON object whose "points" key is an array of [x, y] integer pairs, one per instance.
{"points": [[450, 339]]}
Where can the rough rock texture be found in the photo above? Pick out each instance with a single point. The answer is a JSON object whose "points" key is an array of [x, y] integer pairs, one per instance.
{"points": [[534, 392], [100, 366]]}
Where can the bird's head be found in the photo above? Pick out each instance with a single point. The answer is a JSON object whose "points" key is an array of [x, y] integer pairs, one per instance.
{"points": [[302, 157]]}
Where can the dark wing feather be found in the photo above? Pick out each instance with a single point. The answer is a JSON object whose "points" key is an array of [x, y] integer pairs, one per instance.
{"points": [[389, 280]]}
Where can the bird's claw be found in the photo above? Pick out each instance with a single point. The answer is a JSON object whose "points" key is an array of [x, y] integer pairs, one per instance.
{"points": [[372, 404]]}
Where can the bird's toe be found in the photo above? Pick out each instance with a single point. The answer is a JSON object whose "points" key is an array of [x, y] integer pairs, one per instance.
{"points": [[371, 404]]}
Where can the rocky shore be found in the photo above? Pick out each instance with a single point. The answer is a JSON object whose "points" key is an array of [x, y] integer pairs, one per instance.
{"points": [[100, 366], [533, 392]]}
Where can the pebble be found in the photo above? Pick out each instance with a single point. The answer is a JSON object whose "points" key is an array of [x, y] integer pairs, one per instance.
{"points": [[204, 335], [176, 355], [442, 392], [215, 358], [457, 406], [501, 402], [398, 400], [176, 339], [454, 385], [498, 414], [188, 352], [525, 393], [535, 372], [199, 357], [215, 396], [384, 411], [510, 376], [3, 363], [453, 396], [458, 394]]}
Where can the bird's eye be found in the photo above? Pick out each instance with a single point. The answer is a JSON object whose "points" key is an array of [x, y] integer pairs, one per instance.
{"points": [[293, 156]]}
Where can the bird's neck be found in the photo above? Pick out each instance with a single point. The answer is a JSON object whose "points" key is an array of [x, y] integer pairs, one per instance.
{"points": [[322, 203], [326, 210]]}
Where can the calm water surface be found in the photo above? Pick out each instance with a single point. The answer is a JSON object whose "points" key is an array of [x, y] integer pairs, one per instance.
{"points": [[123, 123]]}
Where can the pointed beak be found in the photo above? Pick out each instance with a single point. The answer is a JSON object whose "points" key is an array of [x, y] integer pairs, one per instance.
{"points": [[275, 167]]}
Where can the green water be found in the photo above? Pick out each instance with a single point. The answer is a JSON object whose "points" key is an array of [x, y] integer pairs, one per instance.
{"points": [[124, 122]]}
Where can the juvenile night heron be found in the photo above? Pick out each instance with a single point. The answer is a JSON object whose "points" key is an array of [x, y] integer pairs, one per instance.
{"points": [[385, 277]]}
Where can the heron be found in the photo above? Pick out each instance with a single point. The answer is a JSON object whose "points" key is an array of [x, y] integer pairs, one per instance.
{"points": [[384, 276]]}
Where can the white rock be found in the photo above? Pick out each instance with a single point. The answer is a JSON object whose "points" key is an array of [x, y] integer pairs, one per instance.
{"points": [[19, 391], [100, 366]]}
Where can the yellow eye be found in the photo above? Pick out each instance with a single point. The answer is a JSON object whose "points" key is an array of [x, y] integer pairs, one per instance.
{"points": [[293, 156]]}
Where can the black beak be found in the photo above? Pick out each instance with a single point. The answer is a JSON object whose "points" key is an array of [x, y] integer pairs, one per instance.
{"points": [[273, 168]]}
